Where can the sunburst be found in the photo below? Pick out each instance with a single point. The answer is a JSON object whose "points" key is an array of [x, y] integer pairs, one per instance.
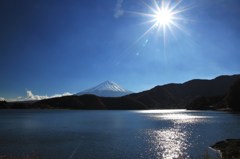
{"points": [[164, 15]]}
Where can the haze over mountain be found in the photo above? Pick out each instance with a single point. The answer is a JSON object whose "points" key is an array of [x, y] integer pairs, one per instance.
{"points": [[106, 89]]}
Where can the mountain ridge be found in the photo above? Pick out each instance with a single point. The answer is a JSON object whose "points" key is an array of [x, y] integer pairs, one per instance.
{"points": [[193, 94], [107, 89], [181, 95]]}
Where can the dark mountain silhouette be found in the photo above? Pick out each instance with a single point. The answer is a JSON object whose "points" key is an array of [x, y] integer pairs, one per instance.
{"points": [[86, 102], [208, 103], [233, 96], [181, 95], [230, 100], [90, 102], [194, 94]]}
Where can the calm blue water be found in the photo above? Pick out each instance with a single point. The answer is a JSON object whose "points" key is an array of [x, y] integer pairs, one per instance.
{"points": [[73, 134]]}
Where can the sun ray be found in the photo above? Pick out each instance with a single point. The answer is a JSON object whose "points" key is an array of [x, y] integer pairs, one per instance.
{"points": [[146, 32], [164, 16]]}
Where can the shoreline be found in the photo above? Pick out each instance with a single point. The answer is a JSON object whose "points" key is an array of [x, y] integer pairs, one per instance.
{"points": [[229, 148]]}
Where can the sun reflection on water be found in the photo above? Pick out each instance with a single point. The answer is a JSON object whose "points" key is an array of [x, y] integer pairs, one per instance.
{"points": [[169, 144], [182, 118], [172, 140], [176, 116]]}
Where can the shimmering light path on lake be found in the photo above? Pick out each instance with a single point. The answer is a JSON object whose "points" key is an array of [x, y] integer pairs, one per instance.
{"points": [[72, 134]]}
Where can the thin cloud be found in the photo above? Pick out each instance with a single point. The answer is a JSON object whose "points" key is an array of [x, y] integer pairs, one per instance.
{"points": [[60, 95], [31, 96], [2, 99], [118, 9]]}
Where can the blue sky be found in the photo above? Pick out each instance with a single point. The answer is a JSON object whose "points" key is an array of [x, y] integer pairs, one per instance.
{"points": [[56, 46]]}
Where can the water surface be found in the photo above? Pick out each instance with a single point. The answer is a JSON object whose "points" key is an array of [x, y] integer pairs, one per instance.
{"points": [[72, 134]]}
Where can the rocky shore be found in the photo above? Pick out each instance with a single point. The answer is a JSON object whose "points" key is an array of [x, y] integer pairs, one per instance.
{"points": [[229, 148]]}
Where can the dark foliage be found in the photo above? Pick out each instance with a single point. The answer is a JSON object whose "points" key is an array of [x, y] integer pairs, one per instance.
{"points": [[122, 103], [3, 104], [207, 103], [233, 97]]}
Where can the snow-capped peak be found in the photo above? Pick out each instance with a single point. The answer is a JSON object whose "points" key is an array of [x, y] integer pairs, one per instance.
{"points": [[108, 86], [107, 89]]}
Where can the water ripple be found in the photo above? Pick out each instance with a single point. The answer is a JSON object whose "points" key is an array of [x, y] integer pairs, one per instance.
{"points": [[169, 143]]}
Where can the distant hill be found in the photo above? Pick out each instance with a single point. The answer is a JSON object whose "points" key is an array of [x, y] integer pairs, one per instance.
{"points": [[233, 96], [194, 94], [107, 89], [90, 102], [179, 96]]}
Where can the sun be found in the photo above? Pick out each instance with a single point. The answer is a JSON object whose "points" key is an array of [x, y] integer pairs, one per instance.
{"points": [[164, 16]]}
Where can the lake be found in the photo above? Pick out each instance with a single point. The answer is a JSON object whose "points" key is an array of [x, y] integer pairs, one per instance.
{"points": [[73, 134]]}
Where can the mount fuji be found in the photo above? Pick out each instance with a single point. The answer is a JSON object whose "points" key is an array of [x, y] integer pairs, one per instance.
{"points": [[106, 89]]}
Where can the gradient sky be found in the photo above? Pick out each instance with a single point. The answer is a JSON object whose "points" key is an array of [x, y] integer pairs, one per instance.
{"points": [[56, 46]]}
